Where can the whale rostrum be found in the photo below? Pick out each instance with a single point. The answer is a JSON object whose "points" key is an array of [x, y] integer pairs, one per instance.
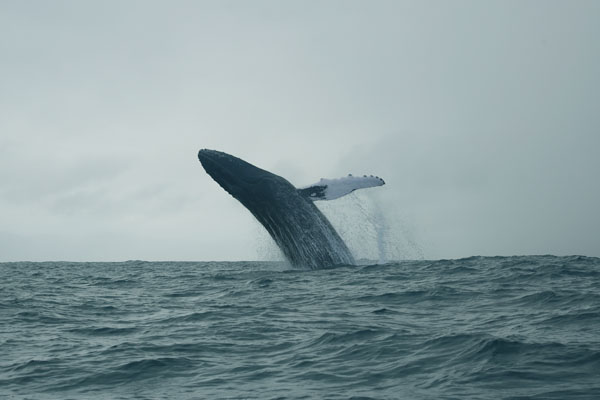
{"points": [[304, 235]]}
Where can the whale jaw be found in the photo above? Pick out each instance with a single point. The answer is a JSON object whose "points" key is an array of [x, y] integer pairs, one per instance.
{"points": [[244, 181], [231, 173]]}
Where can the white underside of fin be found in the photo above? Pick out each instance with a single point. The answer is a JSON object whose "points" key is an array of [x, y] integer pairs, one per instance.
{"points": [[329, 189]]}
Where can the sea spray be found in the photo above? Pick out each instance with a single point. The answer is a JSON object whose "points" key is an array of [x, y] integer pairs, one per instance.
{"points": [[372, 229], [265, 247]]}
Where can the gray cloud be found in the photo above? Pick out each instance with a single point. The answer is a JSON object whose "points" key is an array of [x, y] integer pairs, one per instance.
{"points": [[481, 116]]}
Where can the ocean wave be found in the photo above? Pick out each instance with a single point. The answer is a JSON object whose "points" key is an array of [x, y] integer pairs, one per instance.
{"points": [[479, 327]]}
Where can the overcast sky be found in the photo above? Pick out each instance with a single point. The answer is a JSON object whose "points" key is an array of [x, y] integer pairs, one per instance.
{"points": [[483, 117]]}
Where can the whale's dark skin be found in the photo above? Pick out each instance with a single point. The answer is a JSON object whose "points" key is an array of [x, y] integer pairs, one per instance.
{"points": [[301, 231]]}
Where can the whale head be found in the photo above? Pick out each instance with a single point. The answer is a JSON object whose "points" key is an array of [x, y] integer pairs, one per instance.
{"points": [[244, 181]]}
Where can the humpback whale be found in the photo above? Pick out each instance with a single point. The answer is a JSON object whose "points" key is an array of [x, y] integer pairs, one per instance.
{"points": [[304, 235]]}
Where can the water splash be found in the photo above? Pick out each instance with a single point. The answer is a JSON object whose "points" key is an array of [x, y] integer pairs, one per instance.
{"points": [[265, 247], [372, 230]]}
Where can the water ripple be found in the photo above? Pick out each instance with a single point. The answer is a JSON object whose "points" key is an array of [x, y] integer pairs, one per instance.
{"points": [[479, 327]]}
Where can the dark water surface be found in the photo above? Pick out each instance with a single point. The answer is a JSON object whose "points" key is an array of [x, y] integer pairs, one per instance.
{"points": [[479, 328]]}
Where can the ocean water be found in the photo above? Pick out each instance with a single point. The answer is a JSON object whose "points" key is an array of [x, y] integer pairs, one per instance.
{"points": [[476, 328]]}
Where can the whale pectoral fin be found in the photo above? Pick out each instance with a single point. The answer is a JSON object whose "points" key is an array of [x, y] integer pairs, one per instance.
{"points": [[329, 189]]}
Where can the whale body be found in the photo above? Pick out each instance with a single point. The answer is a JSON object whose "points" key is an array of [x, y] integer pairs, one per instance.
{"points": [[304, 235]]}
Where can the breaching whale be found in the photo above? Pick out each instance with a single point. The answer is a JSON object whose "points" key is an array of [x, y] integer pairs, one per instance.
{"points": [[304, 235]]}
